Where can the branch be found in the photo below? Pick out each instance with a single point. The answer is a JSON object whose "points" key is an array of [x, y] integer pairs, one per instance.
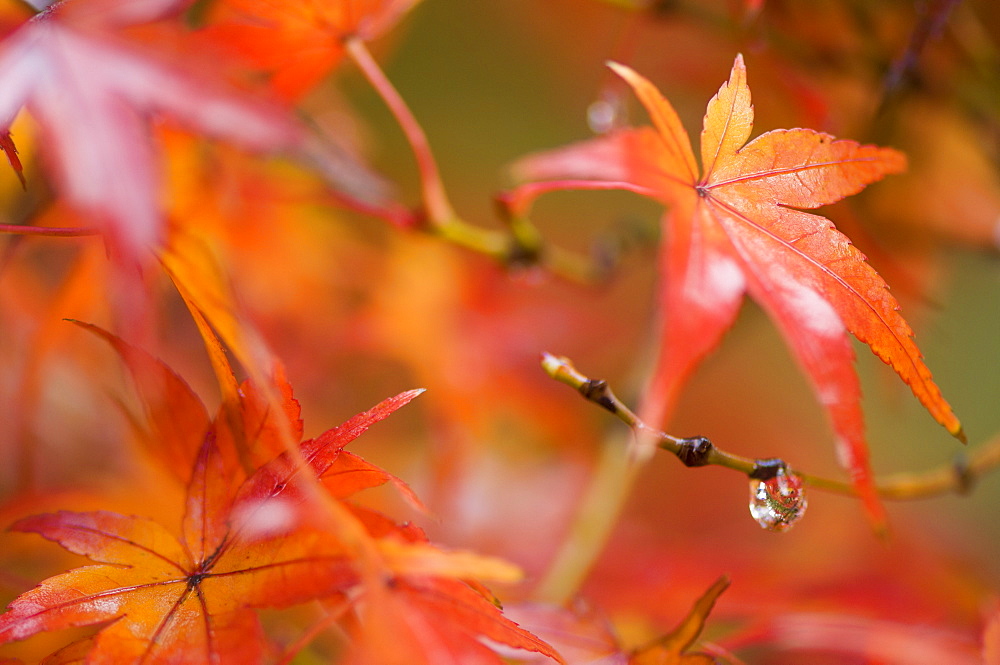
{"points": [[520, 245], [958, 477], [438, 208]]}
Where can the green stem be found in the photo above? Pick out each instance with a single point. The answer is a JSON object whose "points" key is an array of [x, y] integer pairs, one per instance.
{"points": [[958, 477], [598, 513], [522, 244]]}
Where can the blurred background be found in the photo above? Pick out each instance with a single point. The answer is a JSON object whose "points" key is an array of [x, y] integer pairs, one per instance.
{"points": [[358, 310]]}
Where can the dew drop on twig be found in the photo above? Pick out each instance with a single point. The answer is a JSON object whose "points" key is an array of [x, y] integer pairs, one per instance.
{"points": [[779, 502]]}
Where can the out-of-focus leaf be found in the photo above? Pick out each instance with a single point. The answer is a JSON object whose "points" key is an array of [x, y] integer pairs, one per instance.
{"points": [[423, 559], [437, 622], [95, 92], [866, 639], [952, 193], [991, 640], [193, 266], [672, 649], [177, 419], [580, 634], [298, 43]]}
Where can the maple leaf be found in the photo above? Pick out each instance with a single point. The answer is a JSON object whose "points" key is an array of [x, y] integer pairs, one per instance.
{"points": [[176, 419], [438, 622], [799, 636], [94, 93], [9, 149], [298, 43], [584, 635], [672, 648], [734, 229], [191, 600], [991, 640], [247, 543], [581, 632]]}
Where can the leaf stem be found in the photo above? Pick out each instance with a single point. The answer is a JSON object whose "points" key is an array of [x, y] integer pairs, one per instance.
{"points": [[519, 246], [596, 517], [436, 204], [328, 621], [51, 231]]}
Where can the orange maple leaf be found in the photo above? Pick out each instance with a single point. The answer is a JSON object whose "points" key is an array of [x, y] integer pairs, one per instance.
{"points": [[437, 622], [298, 43], [246, 542], [672, 649], [583, 634], [991, 640], [734, 228], [191, 600]]}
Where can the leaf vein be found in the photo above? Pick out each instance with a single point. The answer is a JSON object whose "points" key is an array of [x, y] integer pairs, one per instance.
{"points": [[760, 175]]}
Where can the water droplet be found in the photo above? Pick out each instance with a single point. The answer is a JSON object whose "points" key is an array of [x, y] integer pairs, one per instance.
{"points": [[607, 112], [779, 502]]}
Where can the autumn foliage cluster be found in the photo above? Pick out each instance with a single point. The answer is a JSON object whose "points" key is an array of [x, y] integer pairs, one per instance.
{"points": [[288, 289]]}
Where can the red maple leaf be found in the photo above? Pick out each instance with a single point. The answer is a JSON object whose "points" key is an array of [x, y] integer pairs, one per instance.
{"points": [[298, 43], [9, 149], [95, 93], [437, 622], [585, 635], [734, 228]]}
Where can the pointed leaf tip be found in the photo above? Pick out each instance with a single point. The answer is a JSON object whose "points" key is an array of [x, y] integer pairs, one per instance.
{"points": [[390, 404], [672, 648], [412, 394], [623, 71], [8, 147]]}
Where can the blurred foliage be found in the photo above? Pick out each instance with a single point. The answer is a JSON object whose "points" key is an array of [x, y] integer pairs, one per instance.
{"points": [[356, 309]]}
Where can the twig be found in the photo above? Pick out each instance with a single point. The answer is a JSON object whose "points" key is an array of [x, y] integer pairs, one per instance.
{"points": [[958, 477], [439, 209], [521, 245]]}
